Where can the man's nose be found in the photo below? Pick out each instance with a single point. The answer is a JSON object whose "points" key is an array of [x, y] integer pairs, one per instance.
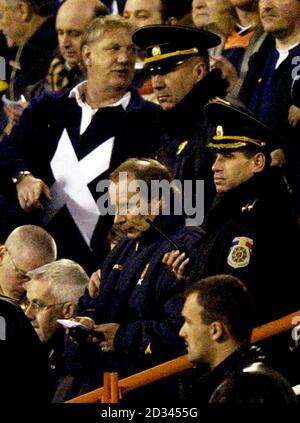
{"points": [[125, 56], [217, 165], [29, 312], [65, 40], [158, 81], [119, 218]]}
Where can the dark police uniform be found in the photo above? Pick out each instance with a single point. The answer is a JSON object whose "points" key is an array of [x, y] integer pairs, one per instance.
{"points": [[251, 230]]}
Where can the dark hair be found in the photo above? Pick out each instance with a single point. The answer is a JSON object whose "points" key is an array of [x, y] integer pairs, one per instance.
{"points": [[171, 8], [225, 298], [249, 152], [155, 175], [100, 10], [42, 7]]}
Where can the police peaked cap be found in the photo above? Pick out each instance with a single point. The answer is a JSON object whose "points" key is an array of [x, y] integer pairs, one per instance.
{"points": [[238, 129], [170, 45]]}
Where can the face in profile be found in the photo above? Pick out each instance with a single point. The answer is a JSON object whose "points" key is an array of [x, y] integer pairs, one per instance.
{"points": [[11, 23], [231, 169], [131, 209], [42, 309], [171, 87], [194, 332]]}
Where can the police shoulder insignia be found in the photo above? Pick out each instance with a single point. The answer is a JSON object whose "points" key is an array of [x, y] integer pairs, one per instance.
{"points": [[117, 267], [181, 147], [240, 252], [148, 349]]}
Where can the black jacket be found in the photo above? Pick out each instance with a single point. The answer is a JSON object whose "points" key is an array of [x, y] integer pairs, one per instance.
{"points": [[252, 233], [23, 359], [243, 378]]}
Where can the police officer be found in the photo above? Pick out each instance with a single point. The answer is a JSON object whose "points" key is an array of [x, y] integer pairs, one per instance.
{"points": [[177, 58], [251, 228]]}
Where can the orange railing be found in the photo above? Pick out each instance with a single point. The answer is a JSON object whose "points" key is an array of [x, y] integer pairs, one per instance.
{"points": [[113, 390]]}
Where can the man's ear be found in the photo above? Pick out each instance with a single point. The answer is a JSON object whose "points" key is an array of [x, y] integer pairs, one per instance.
{"points": [[199, 71], [86, 55], [217, 331], [2, 252], [25, 11], [259, 162], [69, 310]]}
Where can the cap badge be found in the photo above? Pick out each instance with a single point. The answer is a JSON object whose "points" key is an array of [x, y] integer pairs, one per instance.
{"points": [[156, 51], [219, 131]]}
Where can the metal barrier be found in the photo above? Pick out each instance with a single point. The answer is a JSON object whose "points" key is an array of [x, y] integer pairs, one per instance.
{"points": [[113, 390]]}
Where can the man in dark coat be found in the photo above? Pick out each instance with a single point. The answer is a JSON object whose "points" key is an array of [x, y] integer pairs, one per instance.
{"points": [[29, 28], [71, 141], [137, 309], [269, 87], [177, 58], [219, 315], [22, 358], [251, 228]]}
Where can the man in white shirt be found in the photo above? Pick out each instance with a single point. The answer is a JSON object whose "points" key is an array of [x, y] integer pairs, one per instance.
{"points": [[65, 143]]}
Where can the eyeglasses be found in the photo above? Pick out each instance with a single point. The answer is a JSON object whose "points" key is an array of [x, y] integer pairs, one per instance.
{"points": [[20, 274], [37, 307]]}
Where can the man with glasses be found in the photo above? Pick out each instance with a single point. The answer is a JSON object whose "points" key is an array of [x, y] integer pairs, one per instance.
{"points": [[25, 249], [52, 293], [177, 58]]}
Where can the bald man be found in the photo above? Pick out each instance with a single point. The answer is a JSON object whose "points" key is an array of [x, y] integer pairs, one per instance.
{"points": [[66, 69], [72, 18], [26, 248]]}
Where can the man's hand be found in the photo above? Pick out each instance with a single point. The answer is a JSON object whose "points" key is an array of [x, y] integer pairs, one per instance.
{"points": [[15, 111], [278, 158], [107, 333], [94, 284], [29, 191], [294, 115], [177, 262]]}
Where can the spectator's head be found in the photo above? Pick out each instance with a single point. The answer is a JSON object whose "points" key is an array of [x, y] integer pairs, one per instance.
{"points": [[72, 19], [26, 248], [19, 19], [143, 12], [109, 54], [242, 145], [53, 292], [135, 195], [202, 12], [218, 317], [280, 18], [177, 59]]}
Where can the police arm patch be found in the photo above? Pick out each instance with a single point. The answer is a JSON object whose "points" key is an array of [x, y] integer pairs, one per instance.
{"points": [[240, 252]]}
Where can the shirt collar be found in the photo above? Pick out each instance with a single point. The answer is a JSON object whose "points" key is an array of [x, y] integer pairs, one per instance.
{"points": [[78, 93]]}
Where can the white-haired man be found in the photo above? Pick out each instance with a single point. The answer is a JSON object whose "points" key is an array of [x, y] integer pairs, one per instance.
{"points": [[52, 293]]}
